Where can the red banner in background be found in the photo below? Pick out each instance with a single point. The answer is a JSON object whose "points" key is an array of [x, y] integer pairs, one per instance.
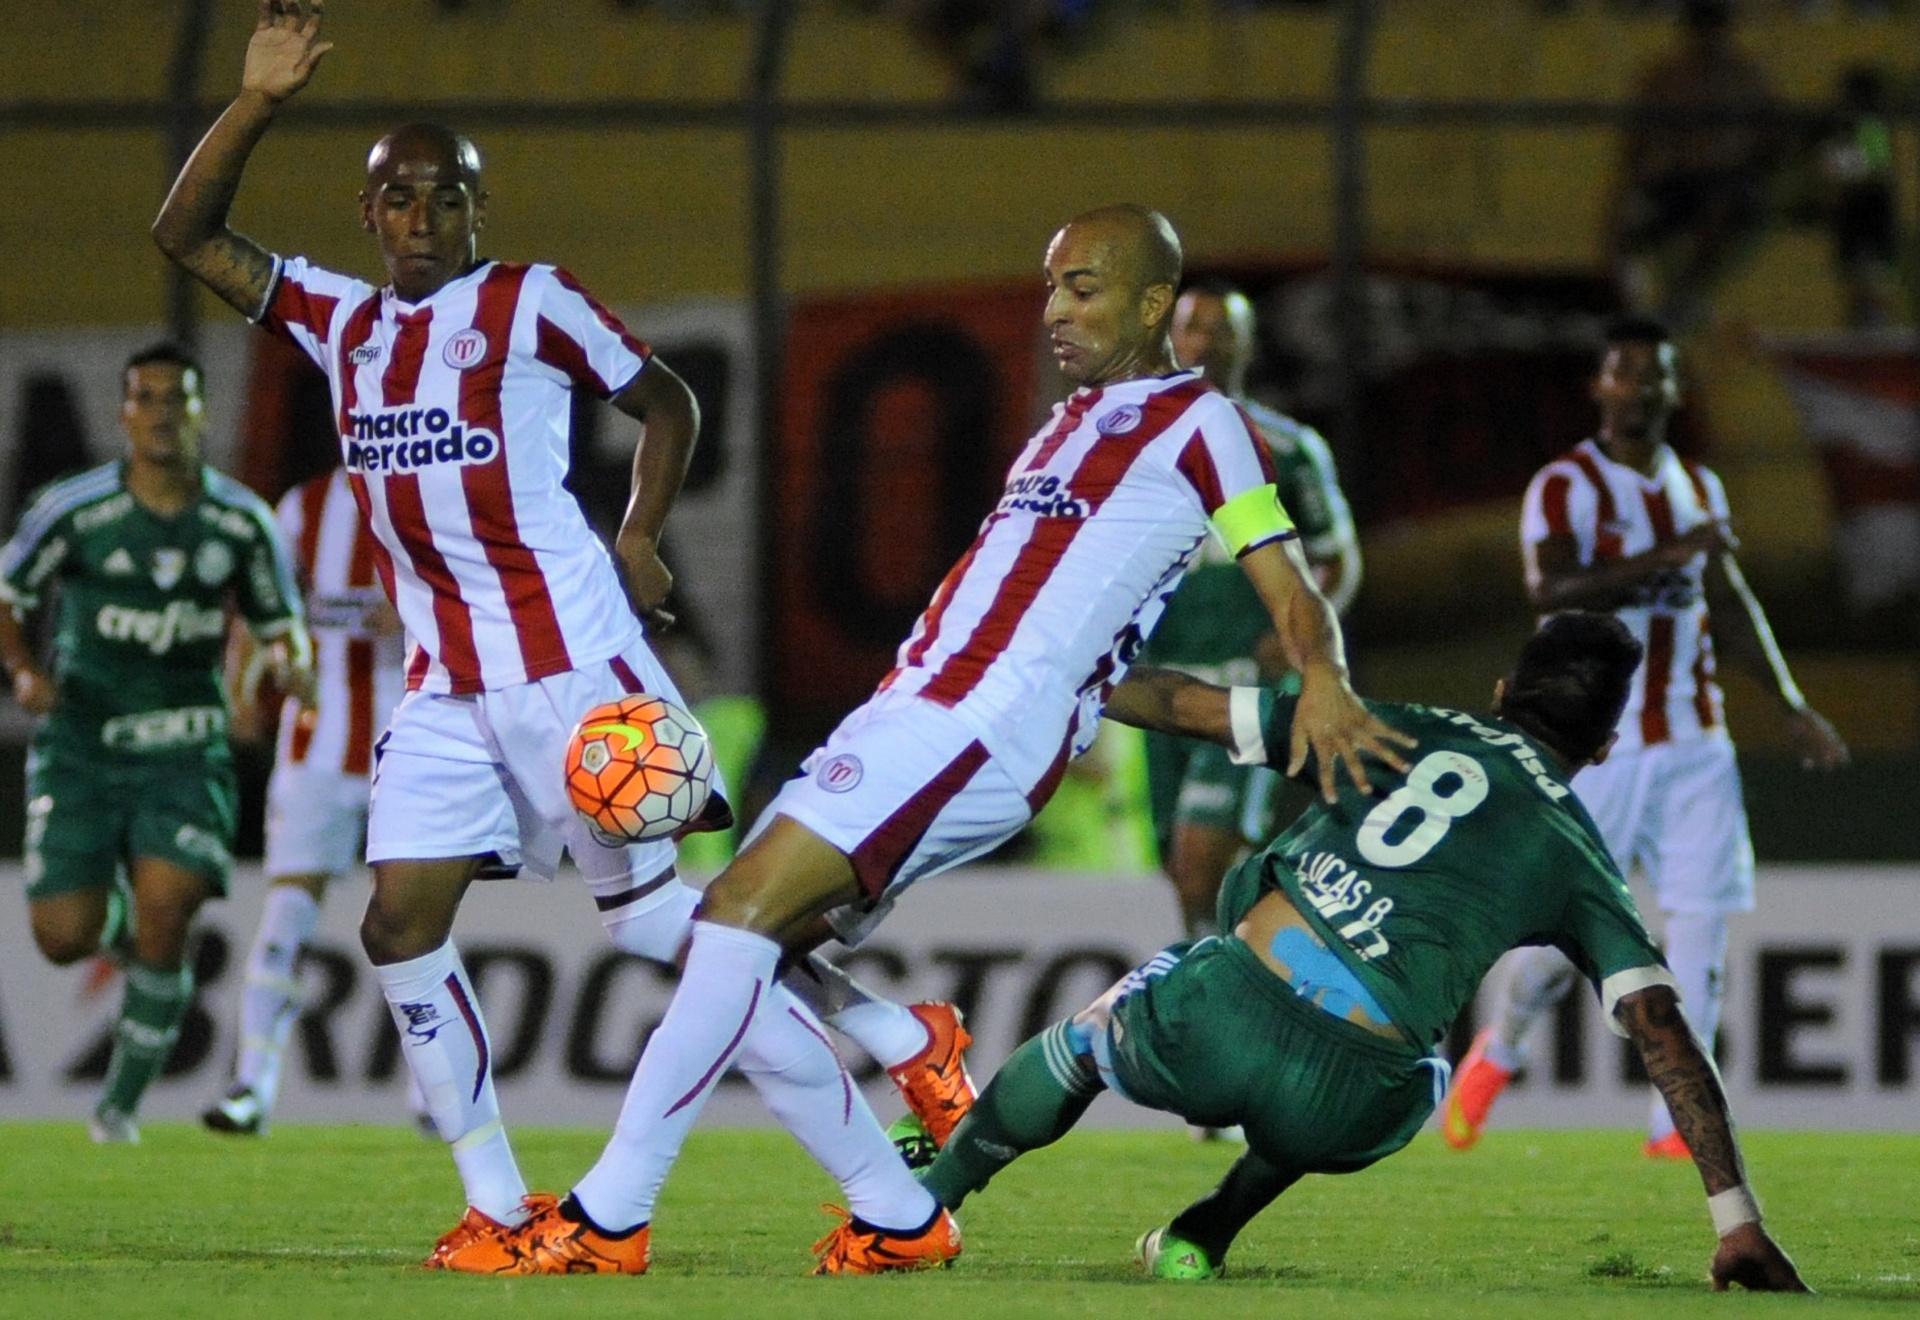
{"points": [[900, 414], [1858, 396]]}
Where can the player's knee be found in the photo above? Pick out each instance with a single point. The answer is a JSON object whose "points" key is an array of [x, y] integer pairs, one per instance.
{"points": [[64, 942], [390, 935], [738, 898]]}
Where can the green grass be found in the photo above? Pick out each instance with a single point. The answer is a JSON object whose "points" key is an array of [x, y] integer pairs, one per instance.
{"points": [[329, 1221]]}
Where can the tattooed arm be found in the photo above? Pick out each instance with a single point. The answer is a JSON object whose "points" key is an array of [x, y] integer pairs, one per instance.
{"points": [[1690, 1084]]}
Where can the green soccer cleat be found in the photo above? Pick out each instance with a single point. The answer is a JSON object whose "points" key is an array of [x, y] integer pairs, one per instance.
{"points": [[1169, 1257], [915, 1144]]}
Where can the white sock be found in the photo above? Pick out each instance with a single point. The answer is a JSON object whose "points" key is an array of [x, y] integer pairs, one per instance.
{"points": [[1697, 956], [444, 1042], [790, 1061], [270, 1001], [658, 930], [728, 976], [1541, 978], [887, 1031]]}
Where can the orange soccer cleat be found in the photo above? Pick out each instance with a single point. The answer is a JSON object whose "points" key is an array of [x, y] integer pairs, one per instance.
{"points": [[1477, 1083], [1673, 1146], [552, 1241], [474, 1226], [935, 1082], [857, 1248]]}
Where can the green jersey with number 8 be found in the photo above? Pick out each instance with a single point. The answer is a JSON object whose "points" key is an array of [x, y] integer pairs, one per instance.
{"points": [[143, 607], [1419, 889]]}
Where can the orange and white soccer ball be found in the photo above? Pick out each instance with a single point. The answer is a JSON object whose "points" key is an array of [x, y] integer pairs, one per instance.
{"points": [[638, 768]]}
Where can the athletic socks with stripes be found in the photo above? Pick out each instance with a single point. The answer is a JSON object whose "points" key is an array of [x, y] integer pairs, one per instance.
{"points": [[152, 1007], [270, 1002], [1034, 1100], [444, 1042]]}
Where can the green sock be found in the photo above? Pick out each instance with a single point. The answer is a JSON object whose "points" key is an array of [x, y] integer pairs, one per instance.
{"points": [[151, 1011], [116, 932], [1215, 1220], [1038, 1094]]}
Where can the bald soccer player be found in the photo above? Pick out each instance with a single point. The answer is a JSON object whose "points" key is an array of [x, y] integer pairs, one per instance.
{"points": [[453, 386], [999, 684]]}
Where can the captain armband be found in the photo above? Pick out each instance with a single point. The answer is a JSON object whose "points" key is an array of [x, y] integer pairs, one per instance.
{"points": [[1252, 518], [1733, 1208]]}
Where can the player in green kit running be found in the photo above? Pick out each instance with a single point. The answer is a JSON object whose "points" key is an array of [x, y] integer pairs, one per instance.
{"points": [[1353, 941], [1206, 810], [130, 766]]}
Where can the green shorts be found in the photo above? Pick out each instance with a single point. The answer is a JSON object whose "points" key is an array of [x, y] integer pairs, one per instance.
{"points": [[87, 815], [1195, 783], [1210, 1034]]}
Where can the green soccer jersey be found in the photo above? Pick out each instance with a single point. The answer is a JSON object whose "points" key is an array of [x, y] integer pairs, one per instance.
{"points": [[1214, 619], [143, 602], [1479, 848]]}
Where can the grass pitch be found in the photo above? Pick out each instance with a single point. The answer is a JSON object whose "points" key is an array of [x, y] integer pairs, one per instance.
{"points": [[329, 1221]]}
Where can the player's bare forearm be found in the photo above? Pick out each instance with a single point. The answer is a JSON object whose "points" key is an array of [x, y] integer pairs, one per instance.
{"points": [[1308, 629], [1687, 1081], [670, 420], [1557, 580], [1168, 701], [1741, 632], [1338, 575], [192, 226]]}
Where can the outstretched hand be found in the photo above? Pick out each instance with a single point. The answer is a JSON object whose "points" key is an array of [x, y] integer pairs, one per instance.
{"points": [[1748, 1257], [1330, 723], [285, 48]]}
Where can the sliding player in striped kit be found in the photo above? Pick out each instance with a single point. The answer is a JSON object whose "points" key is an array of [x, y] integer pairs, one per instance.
{"points": [[453, 387], [1623, 523], [999, 684], [322, 773]]}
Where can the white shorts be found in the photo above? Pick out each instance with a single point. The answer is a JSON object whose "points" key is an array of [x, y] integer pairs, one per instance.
{"points": [[1675, 809], [483, 776], [906, 791], [316, 819]]}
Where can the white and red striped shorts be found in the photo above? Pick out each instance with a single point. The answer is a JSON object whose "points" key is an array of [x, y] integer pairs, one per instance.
{"points": [[906, 790], [470, 776]]}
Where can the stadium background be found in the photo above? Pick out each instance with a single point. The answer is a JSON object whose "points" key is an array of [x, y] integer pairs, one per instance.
{"points": [[844, 261]]}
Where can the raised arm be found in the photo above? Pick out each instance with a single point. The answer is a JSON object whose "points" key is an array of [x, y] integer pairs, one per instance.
{"points": [[1690, 1084], [192, 226], [1330, 722], [1741, 633], [670, 420]]}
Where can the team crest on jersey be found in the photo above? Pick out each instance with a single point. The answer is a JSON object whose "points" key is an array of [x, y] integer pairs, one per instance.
{"points": [[1121, 420], [168, 565], [119, 563], [213, 563], [464, 349], [840, 774]]}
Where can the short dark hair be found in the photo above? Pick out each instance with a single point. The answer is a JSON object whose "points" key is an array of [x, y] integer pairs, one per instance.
{"points": [[1637, 330], [1571, 681], [168, 353]]}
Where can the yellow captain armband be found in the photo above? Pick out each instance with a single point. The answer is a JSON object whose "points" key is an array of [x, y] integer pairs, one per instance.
{"points": [[1253, 517]]}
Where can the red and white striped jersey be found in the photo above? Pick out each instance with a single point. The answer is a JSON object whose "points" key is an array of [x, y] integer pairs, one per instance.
{"points": [[1612, 511], [1102, 511], [359, 676], [454, 417]]}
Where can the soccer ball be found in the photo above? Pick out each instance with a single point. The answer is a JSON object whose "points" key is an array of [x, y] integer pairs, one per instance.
{"points": [[638, 768]]}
